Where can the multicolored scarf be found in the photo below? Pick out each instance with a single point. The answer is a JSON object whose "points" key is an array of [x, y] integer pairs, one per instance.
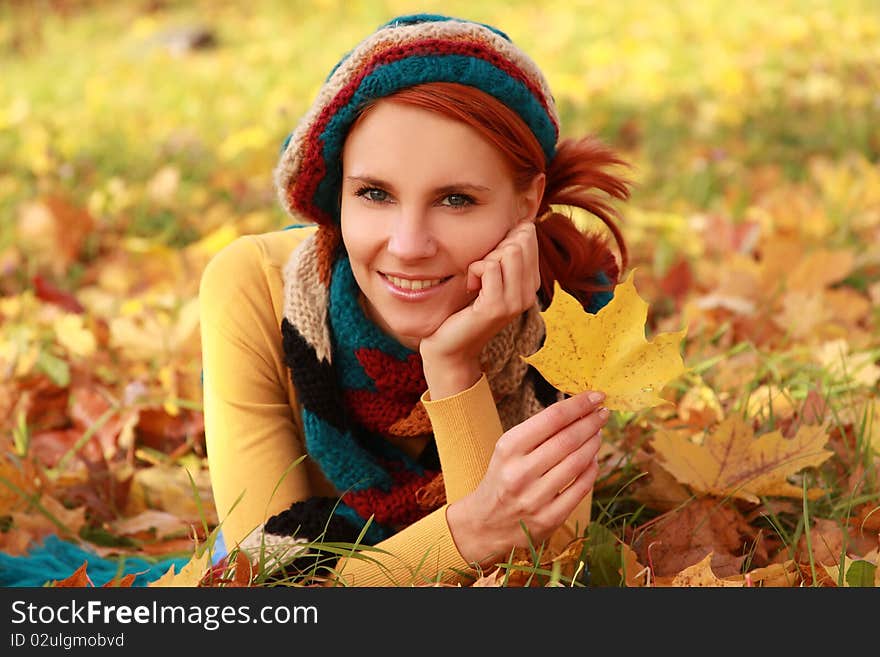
{"points": [[358, 387]]}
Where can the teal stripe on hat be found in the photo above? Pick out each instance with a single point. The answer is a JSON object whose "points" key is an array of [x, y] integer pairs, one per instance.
{"points": [[415, 19], [408, 72]]}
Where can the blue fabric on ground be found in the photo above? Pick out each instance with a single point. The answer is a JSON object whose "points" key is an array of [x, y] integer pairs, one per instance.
{"points": [[56, 560], [220, 550]]}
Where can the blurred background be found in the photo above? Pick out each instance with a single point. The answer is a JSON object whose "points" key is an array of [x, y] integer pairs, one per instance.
{"points": [[137, 138]]}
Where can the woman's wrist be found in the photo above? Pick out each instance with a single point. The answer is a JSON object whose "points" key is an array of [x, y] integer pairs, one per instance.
{"points": [[446, 377], [466, 539]]}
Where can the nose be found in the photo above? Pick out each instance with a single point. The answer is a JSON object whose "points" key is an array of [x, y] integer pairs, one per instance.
{"points": [[410, 236]]}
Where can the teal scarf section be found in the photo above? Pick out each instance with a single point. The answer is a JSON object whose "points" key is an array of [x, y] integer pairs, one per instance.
{"points": [[56, 559]]}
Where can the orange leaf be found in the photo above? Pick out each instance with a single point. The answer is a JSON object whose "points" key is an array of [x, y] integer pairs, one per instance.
{"points": [[78, 579], [123, 582], [731, 462]]}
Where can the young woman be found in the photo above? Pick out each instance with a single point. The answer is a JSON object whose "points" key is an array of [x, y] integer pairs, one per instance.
{"points": [[363, 378]]}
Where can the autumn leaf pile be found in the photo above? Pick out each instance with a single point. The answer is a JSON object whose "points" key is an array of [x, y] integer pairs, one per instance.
{"points": [[754, 231]]}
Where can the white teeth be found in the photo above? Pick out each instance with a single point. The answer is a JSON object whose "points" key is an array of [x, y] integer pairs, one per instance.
{"points": [[413, 285]]}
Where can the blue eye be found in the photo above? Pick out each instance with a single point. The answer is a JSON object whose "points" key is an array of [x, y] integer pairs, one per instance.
{"points": [[458, 200], [372, 194]]}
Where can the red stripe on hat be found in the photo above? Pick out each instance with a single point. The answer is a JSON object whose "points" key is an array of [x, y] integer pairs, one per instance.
{"points": [[308, 180]]}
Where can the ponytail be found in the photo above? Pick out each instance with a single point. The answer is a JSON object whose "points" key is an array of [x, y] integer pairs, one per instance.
{"points": [[582, 263]]}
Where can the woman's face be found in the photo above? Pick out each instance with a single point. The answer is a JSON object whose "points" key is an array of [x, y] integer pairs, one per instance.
{"points": [[423, 197]]}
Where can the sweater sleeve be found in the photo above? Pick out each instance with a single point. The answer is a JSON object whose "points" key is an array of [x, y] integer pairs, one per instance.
{"points": [[251, 436], [466, 427]]}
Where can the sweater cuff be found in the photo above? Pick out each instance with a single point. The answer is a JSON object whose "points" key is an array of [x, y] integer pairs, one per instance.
{"points": [[466, 427], [422, 554]]}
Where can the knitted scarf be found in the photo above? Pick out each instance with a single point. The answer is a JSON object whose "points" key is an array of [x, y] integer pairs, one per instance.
{"points": [[358, 387]]}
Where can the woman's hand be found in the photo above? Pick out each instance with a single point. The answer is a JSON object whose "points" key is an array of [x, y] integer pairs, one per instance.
{"points": [[539, 471], [505, 281]]}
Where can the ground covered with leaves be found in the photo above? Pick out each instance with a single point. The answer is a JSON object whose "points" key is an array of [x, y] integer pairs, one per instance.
{"points": [[754, 225]]}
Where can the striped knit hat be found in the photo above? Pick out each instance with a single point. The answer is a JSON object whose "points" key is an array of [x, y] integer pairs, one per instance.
{"points": [[405, 52]]}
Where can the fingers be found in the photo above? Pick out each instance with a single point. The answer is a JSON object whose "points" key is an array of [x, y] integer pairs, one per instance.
{"points": [[566, 471], [564, 503], [526, 436], [517, 254], [567, 441], [492, 288]]}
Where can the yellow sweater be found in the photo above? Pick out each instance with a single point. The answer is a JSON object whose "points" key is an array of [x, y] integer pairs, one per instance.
{"points": [[254, 433]]}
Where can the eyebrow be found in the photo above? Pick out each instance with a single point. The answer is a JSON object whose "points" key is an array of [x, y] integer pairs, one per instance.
{"points": [[445, 189]]}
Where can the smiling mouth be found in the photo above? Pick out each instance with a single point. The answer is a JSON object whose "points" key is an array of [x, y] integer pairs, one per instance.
{"points": [[421, 284]]}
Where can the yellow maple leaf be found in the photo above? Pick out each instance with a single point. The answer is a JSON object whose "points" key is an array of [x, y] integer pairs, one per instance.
{"points": [[190, 575], [731, 462], [607, 351]]}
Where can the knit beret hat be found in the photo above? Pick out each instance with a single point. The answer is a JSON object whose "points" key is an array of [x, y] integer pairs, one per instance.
{"points": [[406, 51]]}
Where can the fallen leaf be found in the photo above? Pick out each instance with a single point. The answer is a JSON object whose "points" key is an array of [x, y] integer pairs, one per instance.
{"points": [[121, 582], [698, 575], [660, 490], [493, 579], [785, 574], [635, 574], [682, 537], [819, 269], [49, 517], [826, 545], [768, 400], [731, 462], [835, 356], [190, 575], [18, 479], [815, 408], [608, 351], [163, 523], [168, 488], [78, 579], [700, 407]]}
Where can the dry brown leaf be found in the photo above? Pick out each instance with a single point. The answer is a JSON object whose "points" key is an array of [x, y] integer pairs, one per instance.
{"points": [[785, 574], [827, 543], [698, 575], [836, 357], [15, 542], [18, 479], [682, 537], [37, 524], [732, 462], [168, 488], [820, 269], [814, 410], [700, 407], [662, 491], [163, 523], [768, 400], [802, 312], [636, 575], [493, 579]]}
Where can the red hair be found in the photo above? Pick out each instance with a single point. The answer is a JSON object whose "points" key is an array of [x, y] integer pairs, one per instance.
{"points": [[566, 254]]}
